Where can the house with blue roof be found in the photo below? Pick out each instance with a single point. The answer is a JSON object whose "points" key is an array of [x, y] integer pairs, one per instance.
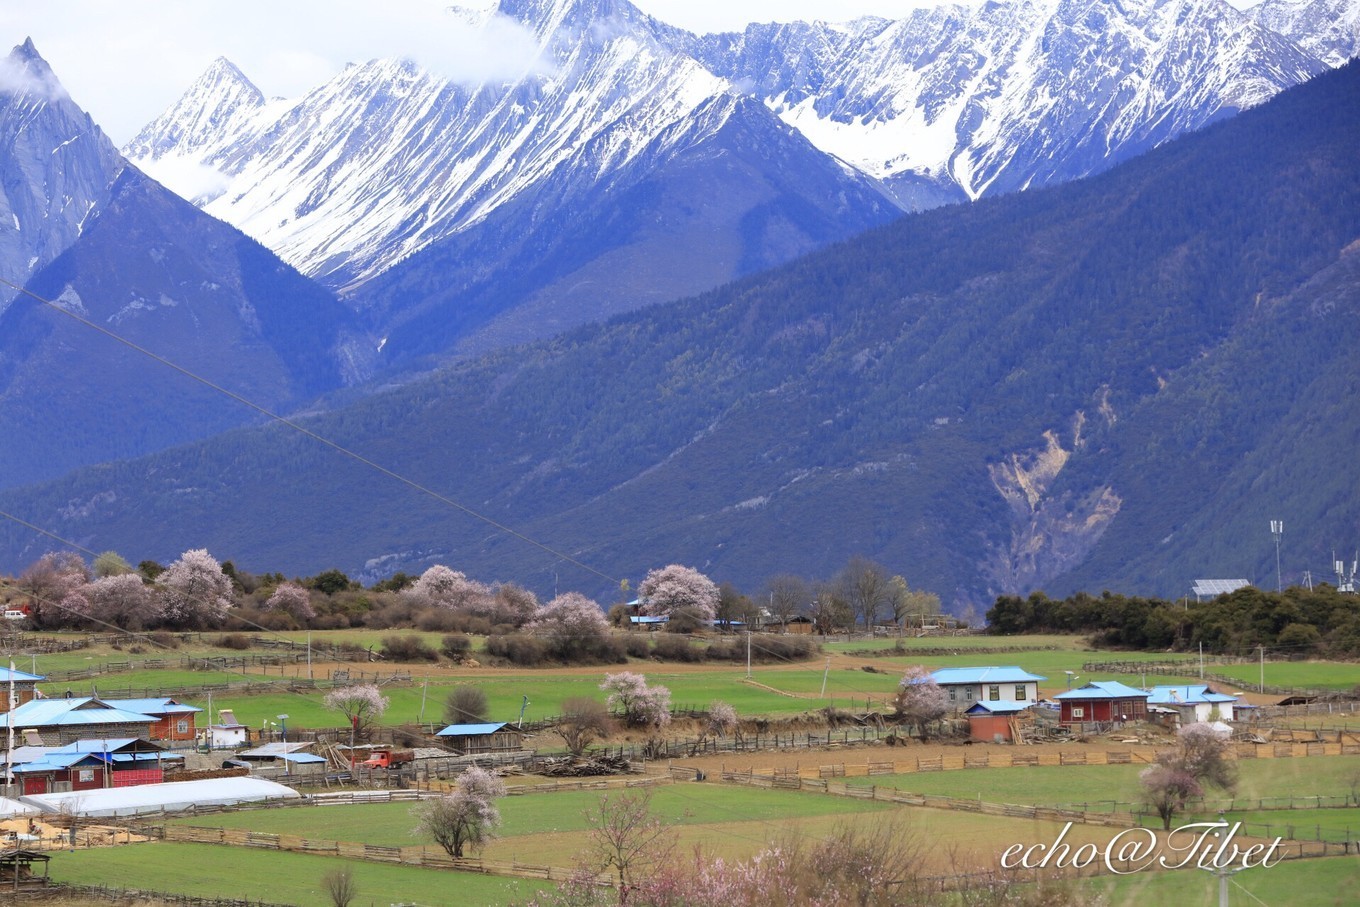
{"points": [[1102, 701], [25, 687], [57, 722], [90, 765], [480, 739], [174, 720], [966, 686], [1192, 702]]}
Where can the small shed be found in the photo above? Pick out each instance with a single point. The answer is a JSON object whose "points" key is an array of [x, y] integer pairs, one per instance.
{"points": [[18, 869], [1103, 701], [481, 739], [227, 733], [994, 721]]}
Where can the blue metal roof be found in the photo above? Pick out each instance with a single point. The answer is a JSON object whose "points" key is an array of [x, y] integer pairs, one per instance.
{"points": [[997, 707], [469, 730], [302, 758], [152, 706], [1185, 694], [63, 712], [1104, 689], [19, 676], [1007, 674], [650, 619]]}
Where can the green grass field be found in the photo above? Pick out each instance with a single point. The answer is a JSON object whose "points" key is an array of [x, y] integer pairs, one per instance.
{"points": [[1045, 785], [205, 870], [1331, 882]]}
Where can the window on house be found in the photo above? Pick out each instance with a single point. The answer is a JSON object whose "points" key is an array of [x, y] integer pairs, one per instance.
{"points": [[953, 693], [182, 726], [1020, 692], [1078, 712], [994, 692]]}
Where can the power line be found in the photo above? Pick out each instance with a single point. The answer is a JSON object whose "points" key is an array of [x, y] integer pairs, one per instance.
{"points": [[320, 439]]}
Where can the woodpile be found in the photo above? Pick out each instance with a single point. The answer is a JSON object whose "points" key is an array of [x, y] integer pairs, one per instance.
{"points": [[568, 767]]}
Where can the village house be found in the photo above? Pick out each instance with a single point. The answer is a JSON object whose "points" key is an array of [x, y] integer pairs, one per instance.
{"points": [[89, 765], [1192, 703], [57, 722], [1105, 701], [174, 720], [966, 686], [25, 688]]}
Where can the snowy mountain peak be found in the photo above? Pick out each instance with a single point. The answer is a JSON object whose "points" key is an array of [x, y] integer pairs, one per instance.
{"points": [[24, 73], [56, 167], [1329, 29]]}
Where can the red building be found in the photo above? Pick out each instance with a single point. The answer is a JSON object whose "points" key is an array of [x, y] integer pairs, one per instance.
{"points": [[173, 720], [1106, 701], [89, 765]]}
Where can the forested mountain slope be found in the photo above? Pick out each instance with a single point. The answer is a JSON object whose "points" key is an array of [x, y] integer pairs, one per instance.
{"points": [[1110, 383]]}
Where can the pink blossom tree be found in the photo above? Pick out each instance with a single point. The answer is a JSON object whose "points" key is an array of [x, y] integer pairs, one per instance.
{"points": [[361, 704], [465, 818], [920, 700], [445, 587], [194, 591], [638, 704], [49, 580], [683, 594], [124, 600], [292, 599], [573, 624]]}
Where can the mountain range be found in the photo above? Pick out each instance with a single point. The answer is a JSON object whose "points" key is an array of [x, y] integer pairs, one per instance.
{"points": [[1114, 382], [631, 162]]}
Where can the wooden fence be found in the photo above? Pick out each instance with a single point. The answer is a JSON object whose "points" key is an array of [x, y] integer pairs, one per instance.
{"points": [[418, 855], [141, 895]]}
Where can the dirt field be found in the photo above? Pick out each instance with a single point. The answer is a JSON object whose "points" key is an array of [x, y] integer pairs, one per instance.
{"points": [[37, 834]]}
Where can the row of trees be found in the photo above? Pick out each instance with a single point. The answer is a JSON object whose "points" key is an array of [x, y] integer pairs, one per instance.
{"points": [[1296, 621], [198, 592]]}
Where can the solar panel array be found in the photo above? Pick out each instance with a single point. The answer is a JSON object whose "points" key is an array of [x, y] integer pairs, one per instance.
{"points": [[1218, 586]]}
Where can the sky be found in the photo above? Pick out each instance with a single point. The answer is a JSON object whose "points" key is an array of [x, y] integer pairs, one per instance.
{"points": [[126, 62]]}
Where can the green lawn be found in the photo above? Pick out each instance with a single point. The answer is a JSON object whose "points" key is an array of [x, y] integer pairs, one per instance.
{"points": [[1329, 882], [210, 871], [390, 824], [1056, 785]]}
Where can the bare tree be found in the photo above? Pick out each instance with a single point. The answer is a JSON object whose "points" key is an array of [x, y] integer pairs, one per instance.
{"points": [[467, 817], [830, 610], [627, 837], [789, 596], [865, 586], [340, 887], [907, 603], [583, 721]]}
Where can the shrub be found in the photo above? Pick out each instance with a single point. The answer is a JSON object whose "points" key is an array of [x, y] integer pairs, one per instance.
{"points": [[677, 648], [437, 620], [518, 649], [456, 646], [407, 648], [465, 705], [238, 641], [637, 645]]}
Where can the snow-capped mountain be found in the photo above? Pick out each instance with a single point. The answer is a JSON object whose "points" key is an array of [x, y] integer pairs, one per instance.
{"points": [[1329, 29], [56, 168], [1004, 96], [389, 169], [387, 158]]}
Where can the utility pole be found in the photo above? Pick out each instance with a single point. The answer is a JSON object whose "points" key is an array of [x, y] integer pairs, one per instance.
{"points": [[1277, 530], [748, 654], [1262, 688]]}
